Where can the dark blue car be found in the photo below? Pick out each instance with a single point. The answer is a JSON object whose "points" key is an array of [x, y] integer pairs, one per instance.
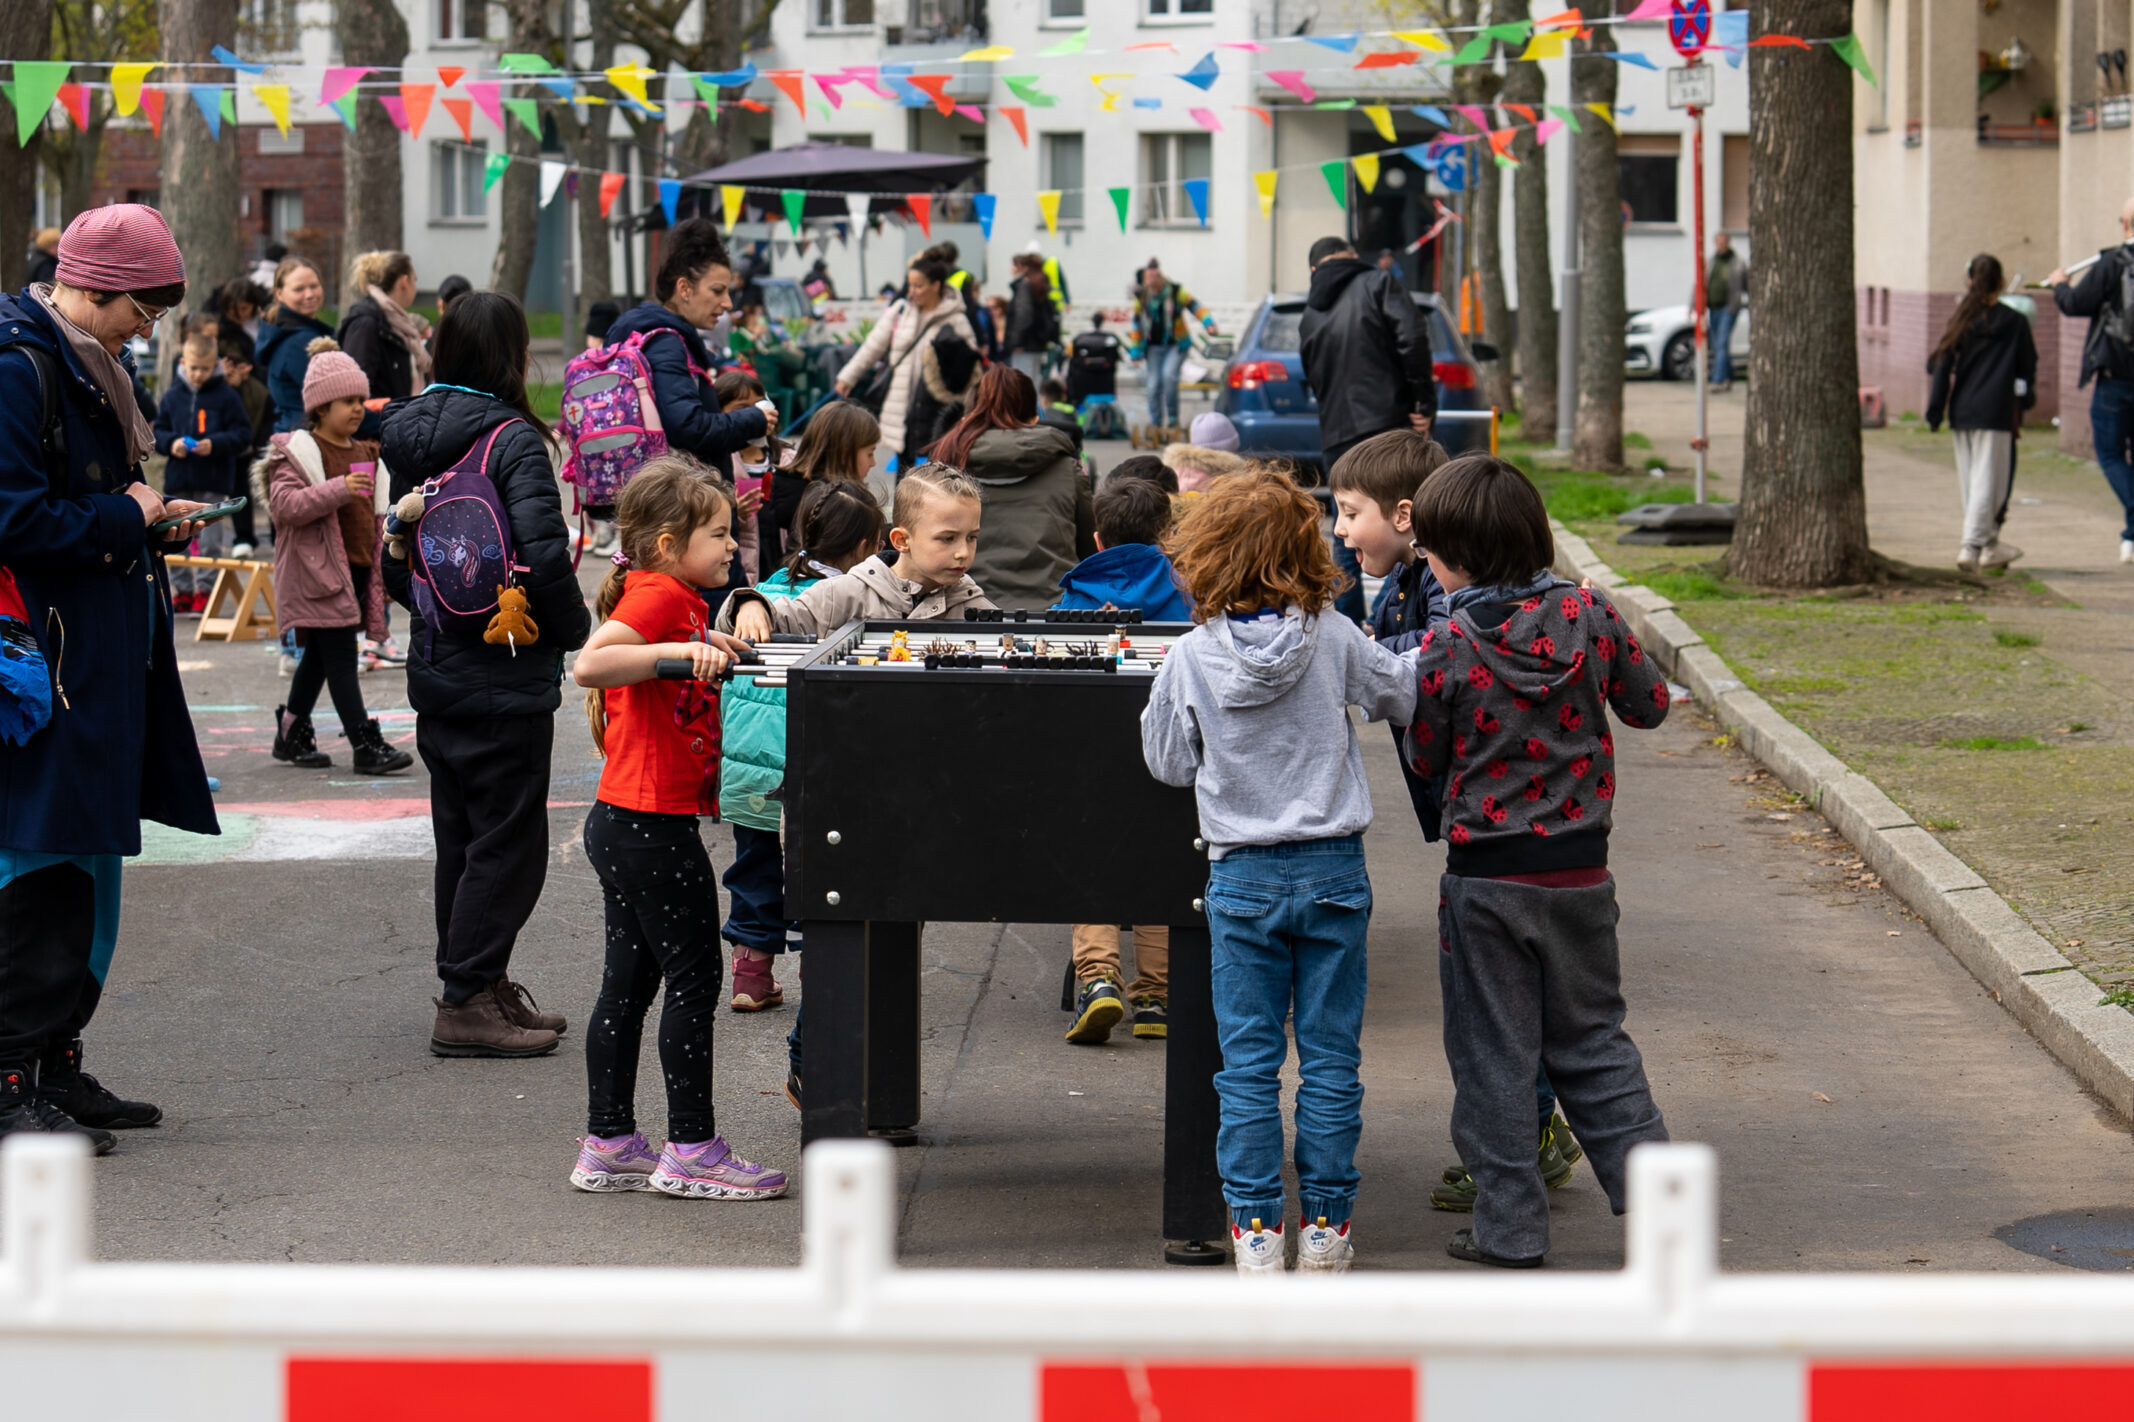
{"points": [[1276, 414]]}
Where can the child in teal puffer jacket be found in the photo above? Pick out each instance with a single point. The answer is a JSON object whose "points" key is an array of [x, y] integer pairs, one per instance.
{"points": [[837, 527]]}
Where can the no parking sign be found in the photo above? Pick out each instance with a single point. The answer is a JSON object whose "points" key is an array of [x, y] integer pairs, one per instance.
{"points": [[1689, 26]]}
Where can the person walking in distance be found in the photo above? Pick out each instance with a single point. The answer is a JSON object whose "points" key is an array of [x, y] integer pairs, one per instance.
{"points": [[1366, 352], [1985, 370], [2105, 295], [1159, 338], [1726, 290]]}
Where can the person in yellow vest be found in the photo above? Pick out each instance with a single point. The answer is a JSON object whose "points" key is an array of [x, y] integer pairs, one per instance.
{"points": [[1051, 267]]}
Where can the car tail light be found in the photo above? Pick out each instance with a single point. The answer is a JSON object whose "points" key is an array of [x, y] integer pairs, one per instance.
{"points": [[1252, 374], [1453, 374]]}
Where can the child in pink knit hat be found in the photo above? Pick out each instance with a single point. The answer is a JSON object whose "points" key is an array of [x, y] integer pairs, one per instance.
{"points": [[327, 495]]}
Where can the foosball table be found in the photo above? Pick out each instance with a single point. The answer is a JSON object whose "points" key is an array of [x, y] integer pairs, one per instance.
{"points": [[884, 717]]}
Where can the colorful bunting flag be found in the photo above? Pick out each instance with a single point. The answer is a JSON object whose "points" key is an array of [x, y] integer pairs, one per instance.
{"points": [[1366, 166], [1020, 117], [1121, 199], [449, 74], [1846, 47], [1431, 113], [527, 112], [126, 86], [793, 200], [462, 112], [494, 169], [670, 198], [226, 103], [394, 110], [611, 185], [226, 56], [731, 78], [1048, 203], [1148, 103], [1203, 74], [1388, 58], [922, 211], [1500, 143], [1025, 87], [1206, 119], [274, 98], [534, 64], [345, 106], [1555, 45], [1336, 173], [552, 171], [792, 84], [1425, 39], [1569, 117], [1265, 116], [1345, 43], [1197, 194], [1778, 42], [486, 96], [339, 80], [75, 100], [206, 97], [152, 105], [1730, 32], [1546, 130], [971, 112], [37, 84], [415, 98], [1381, 119], [984, 204], [1627, 56], [1264, 184], [935, 86], [1602, 112], [1073, 44], [1293, 80], [990, 54], [1651, 10], [630, 79], [730, 199], [1475, 51]]}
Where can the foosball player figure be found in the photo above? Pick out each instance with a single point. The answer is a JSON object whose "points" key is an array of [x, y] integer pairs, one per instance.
{"points": [[899, 647]]}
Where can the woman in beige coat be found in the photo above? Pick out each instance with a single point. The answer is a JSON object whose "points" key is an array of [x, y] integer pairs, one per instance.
{"points": [[906, 328]]}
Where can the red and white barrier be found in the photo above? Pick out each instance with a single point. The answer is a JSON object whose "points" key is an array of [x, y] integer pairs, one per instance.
{"points": [[848, 1335]]}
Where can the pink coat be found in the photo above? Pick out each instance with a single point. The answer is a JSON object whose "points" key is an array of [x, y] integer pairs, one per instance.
{"points": [[313, 583]]}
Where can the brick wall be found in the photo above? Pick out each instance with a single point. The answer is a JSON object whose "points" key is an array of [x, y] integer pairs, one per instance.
{"points": [[2075, 410], [1898, 328]]}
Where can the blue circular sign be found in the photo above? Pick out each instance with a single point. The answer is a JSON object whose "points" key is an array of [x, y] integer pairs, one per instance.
{"points": [[1452, 169], [1689, 26]]}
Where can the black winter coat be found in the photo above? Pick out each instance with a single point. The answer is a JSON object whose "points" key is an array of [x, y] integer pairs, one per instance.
{"points": [[369, 340], [283, 359], [2095, 295], [1974, 385], [216, 413], [1366, 351], [465, 676], [1032, 323], [692, 418]]}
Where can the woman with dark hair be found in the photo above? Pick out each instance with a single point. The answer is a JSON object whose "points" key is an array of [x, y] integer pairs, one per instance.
{"points": [[922, 317], [291, 325], [239, 304], [1038, 520], [693, 290], [1033, 324], [380, 331], [94, 733], [485, 716], [1985, 369]]}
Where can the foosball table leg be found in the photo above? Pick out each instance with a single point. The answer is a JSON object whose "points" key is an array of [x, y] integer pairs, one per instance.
{"points": [[1195, 1219], [893, 1031], [834, 1070]]}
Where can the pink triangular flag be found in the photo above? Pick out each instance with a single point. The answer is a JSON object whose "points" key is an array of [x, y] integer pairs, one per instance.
{"points": [[833, 87], [487, 96], [967, 111], [338, 81], [462, 114], [1546, 130], [1650, 10], [1293, 80], [395, 110], [1206, 119], [415, 98], [1475, 114]]}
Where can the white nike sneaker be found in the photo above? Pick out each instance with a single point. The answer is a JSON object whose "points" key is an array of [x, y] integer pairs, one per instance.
{"points": [[1258, 1251], [2126, 550], [1324, 1249], [1999, 555]]}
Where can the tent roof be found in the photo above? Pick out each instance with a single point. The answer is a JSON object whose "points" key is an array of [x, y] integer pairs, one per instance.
{"points": [[840, 167]]}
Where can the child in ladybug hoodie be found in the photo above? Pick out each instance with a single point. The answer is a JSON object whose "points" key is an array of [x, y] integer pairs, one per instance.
{"points": [[1511, 717]]}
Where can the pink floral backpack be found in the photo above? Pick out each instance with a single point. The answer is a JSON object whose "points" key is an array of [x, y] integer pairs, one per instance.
{"points": [[610, 422]]}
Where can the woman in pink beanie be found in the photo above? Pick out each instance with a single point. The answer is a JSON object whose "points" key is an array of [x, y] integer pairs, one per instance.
{"points": [[324, 489]]}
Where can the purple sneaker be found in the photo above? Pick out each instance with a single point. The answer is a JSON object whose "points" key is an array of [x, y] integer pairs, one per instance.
{"points": [[711, 1171], [610, 1163]]}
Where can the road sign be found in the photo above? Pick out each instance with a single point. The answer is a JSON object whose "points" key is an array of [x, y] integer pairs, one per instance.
{"points": [[1691, 86], [1689, 26], [1452, 169]]}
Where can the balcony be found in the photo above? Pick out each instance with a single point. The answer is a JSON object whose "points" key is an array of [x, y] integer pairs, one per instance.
{"points": [[933, 25]]}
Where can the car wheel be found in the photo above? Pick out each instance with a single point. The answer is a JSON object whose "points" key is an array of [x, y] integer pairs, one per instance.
{"points": [[1679, 360]]}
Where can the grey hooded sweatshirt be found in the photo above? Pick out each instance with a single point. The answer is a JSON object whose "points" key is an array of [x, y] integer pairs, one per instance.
{"points": [[1253, 714]]}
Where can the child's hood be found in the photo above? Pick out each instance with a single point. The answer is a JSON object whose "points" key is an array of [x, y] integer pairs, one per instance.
{"points": [[882, 581], [1262, 657], [1131, 575], [1539, 648]]}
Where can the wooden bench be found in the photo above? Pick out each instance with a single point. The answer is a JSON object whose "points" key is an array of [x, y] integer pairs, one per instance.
{"points": [[246, 582]]}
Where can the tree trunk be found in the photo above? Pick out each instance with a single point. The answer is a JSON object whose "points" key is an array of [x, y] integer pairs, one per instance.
{"points": [[25, 33], [1525, 84], [77, 172], [1803, 517], [200, 196], [1597, 443], [519, 210], [587, 141], [1477, 84], [370, 34]]}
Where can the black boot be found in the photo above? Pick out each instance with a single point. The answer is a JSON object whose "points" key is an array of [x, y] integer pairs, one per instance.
{"points": [[23, 1110], [294, 743], [373, 755], [61, 1081]]}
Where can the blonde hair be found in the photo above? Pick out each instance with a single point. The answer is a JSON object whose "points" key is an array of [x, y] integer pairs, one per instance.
{"points": [[931, 479], [200, 347], [671, 496], [379, 269], [1252, 541]]}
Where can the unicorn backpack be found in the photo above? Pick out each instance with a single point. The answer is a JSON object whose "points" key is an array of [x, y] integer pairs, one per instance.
{"points": [[460, 537]]}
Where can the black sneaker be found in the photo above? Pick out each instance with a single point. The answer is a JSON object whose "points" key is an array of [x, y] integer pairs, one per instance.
{"points": [[296, 744], [1151, 1017], [1462, 1246], [23, 1110], [61, 1081], [1096, 1011]]}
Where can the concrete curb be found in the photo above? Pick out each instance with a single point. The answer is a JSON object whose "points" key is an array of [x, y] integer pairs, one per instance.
{"points": [[2027, 975]]}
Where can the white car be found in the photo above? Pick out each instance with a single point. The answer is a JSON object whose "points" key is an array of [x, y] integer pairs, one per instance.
{"points": [[1660, 342]]}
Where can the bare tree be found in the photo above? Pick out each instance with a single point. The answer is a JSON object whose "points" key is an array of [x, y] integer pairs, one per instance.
{"points": [[199, 193], [724, 31], [530, 33], [1478, 84], [25, 33], [370, 33], [1524, 83], [586, 140], [1803, 517], [1597, 443], [94, 32]]}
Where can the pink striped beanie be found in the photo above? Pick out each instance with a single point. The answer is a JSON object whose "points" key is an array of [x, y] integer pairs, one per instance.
{"points": [[121, 247]]}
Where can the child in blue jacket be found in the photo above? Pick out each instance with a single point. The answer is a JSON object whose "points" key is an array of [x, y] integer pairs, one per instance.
{"points": [[202, 426]]}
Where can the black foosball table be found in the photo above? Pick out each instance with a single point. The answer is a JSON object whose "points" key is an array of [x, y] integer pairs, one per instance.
{"points": [[885, 715]]}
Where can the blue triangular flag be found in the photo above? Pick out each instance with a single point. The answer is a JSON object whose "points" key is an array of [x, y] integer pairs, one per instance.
{"points": [[731, 78], [1203, 74], [1421, 155], [1730, 31], [984, 203], [670, 197], [1197, 193], [208, 99], [1437, 115], [1148, 103], [1345, 43], [1631, 56], [224, 56]]}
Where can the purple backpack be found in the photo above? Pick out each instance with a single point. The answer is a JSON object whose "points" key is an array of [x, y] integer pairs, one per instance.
{"points": [[464, 558], [610, 422]]}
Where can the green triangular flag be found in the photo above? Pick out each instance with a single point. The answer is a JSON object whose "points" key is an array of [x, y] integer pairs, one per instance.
{"points": [[1475, 50], [1511, 31], [1024, 87], [1846, 47], [709, 93], [494, 169], [1335, 104], [37, 81], [1568, 115], [526, 64], [229, 105], [527, 112], [1337, 178], [794, 199], [345, 106], [1073, 44], [1119, 199], [7, 91]]}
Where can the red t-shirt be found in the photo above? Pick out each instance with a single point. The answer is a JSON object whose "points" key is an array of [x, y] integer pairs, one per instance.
{"points": [[663, 736]]}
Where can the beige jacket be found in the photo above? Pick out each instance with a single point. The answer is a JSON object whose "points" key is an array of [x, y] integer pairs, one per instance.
{"points": [[870, 591], [901, 330]]}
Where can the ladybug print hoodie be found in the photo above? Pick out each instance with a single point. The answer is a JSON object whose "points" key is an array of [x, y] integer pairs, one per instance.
{"points": [[1509, 719]]}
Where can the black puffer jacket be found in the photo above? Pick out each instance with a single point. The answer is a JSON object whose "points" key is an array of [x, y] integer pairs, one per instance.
{"points": [[464, 676], [1366, 352], [370, 341], [1974, 385]]}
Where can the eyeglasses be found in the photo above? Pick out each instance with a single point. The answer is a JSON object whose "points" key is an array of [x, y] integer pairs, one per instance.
{"points": [[148, 318]]}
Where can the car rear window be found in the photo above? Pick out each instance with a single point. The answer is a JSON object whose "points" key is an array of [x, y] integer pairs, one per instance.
{"points": [[1280, 333]]}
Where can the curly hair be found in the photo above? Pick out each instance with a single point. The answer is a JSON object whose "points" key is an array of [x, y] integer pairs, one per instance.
{"points": [[1253, 541]]}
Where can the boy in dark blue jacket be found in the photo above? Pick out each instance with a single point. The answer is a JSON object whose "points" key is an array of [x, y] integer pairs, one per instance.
{"points": [[202, 426], [1129, 570]]}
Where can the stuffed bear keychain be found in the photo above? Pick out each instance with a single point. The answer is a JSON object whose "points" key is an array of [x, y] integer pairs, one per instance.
{"points": [[401, 523], [511, 625]]}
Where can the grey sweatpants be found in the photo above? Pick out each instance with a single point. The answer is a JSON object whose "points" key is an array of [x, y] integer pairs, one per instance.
{"points": [[1530, 977]]}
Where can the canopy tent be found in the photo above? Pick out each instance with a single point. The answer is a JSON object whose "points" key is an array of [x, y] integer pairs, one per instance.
{"points": [[825, 172]]}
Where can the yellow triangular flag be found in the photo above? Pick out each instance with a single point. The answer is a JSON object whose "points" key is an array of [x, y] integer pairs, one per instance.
{"points": [[275, 97], [126, 86], [1550, 44], [1381, 119], [990, 53], [1424, 39], [1265, 182], [1110, 104], [1048, 202], [1366, 166], [630, 78], [1100, 80], [731, 197], [1607, 115]]}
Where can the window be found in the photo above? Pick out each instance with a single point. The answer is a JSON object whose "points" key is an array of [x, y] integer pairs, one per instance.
{"points": [[456, 173], [285, 212], [1167, 161], [849, 140], [1648, 163], [841, 14], [459, 21], [268, 25], [273, 141], [1066, 9], [1179, 9], [1061, 158]]}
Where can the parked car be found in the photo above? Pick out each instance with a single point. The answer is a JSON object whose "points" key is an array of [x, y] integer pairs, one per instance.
{"points": [[1277, 416], [1662, 342]]}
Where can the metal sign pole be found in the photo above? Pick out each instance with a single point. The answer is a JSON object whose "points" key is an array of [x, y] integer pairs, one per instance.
{"points": [[1704, 370], [1689, 29]]}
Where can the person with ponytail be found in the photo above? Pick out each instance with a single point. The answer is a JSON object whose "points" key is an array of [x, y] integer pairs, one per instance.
{"points": [[1985, 369], [660, 738]]}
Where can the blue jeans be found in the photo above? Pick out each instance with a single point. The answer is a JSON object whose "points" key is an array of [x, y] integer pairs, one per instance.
{"points": [[2112, 431], [1161, 363], [1722, 336], [755, 894], [1288, 924]]}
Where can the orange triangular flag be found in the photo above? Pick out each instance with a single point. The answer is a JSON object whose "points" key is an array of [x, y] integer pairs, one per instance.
{"points": [[1500, 141], [922, 206], [936, 85], [1520, 109], [75, 100], [793, 84], [448, 74], [415, 98], [1020, 117], [462, 111], [610, 188], [152, 105]]}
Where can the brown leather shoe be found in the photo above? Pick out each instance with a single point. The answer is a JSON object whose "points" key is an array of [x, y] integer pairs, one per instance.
{"points": [[482, 1026], [520, 1007]]}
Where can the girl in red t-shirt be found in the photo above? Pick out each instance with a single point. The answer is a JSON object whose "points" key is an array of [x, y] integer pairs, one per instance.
{"points": [[661, 739]]}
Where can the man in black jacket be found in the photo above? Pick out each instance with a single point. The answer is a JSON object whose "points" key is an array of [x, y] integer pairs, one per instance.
{"points": [[1367, 357], [2103, 295]]}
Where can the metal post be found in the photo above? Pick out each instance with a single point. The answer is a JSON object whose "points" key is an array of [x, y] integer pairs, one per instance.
{"points": [[1702, 445], [1567, 311]]}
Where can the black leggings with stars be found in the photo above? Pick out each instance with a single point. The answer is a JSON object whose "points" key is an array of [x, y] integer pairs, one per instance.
{"points": [[662, 922]]}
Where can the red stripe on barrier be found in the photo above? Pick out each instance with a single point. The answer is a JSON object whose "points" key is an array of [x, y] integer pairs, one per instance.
{"points": [[1927, 1392], [1206, 1392], [467, 1390]]}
